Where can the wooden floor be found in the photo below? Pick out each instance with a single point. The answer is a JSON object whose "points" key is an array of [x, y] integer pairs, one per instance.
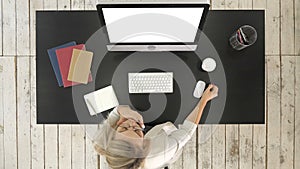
{"points": [[25, 145]]}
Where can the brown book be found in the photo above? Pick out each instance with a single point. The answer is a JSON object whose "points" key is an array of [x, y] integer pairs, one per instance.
{"points": [[80, 66]]}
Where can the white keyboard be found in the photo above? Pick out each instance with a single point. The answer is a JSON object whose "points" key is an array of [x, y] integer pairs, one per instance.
{"points": [[156, 82]]}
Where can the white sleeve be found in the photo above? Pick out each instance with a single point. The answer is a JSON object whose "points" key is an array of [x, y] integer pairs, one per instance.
{"points": [[164, 147], [184, 133], [113, 116]]}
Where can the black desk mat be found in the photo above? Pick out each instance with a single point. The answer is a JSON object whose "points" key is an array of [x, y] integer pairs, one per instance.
{"points": [[244, 69]]}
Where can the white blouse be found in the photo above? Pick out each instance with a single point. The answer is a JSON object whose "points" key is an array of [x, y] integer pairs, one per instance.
{"points": [[166, 141]]}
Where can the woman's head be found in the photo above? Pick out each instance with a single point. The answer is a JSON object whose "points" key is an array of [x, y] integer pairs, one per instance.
{"points": [[130, 128], [122, 145]]}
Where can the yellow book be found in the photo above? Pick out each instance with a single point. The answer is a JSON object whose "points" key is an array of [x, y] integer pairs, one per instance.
{"points": [[80, 66]]}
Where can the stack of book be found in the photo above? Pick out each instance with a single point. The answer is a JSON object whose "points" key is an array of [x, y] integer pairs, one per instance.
{"points": [[71, 64]]}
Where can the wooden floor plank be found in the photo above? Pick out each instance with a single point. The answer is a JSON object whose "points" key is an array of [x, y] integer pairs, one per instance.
{"points": [[218, 4], [259, 4], [273, 113], [37, 130], [177, 164], [22, 14], [33, 6], [51, 130], [9, 108], [297, 115], [232, 140], [189, 153], [90, 5], [78, 147], [9, 27], [231, 4], [272, 28], [218, 146], [259, 146], [65, 131], [50, 5], [287, 112], [77, 5], [245, 130], [103, 163], [218, 131], [63, 4], [245, 4], [245, 146], [91, 155], [287, 27], [232, 146], [297, 27], [51, 146], [65, 146], [23, 112], [204, 146], [2, 81], [1, 33], [259, 135]]}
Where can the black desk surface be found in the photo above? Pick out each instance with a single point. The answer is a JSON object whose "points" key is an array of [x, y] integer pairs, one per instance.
{"points": [[244, 69]]}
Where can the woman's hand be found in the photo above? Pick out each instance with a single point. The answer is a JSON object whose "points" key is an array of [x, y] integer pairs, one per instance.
{"points": [[210, 93], [127, 113]]}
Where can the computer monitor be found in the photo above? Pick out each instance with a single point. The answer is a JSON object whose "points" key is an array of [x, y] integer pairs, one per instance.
{"points": [[153, 26]]}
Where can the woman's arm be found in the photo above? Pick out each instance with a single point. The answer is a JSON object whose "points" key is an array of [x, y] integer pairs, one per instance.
{"points": [[187, 129], [210, 93], [123, 112], [126, 112]]}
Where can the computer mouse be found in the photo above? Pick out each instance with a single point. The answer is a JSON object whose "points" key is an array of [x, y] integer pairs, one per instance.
{"points": [[198, 91], [209, 64]]}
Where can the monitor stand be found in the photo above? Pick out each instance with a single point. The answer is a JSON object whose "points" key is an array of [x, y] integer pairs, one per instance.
{"points": [[151, 48]]}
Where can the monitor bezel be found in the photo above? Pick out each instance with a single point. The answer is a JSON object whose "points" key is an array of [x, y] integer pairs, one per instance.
{"points": [[153, 5]]}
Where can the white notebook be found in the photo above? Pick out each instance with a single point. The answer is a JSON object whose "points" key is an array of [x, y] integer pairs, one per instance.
{"points": [[101, 100]]}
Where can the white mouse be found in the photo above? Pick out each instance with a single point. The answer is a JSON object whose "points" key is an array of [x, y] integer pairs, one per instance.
{"points": [[198, 91], [209, 64]]}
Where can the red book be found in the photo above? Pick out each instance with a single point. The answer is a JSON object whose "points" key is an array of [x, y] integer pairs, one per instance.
{"points": [[64, 57]]}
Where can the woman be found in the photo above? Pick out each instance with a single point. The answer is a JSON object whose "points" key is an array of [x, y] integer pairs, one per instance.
{"points": [[121, 140]]}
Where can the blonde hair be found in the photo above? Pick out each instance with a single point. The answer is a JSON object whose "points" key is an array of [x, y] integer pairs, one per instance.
{"points": [[119, 154], [117, 161]]}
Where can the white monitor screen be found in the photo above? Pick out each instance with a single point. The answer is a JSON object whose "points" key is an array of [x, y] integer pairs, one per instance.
{"points": [[148, 25]]}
